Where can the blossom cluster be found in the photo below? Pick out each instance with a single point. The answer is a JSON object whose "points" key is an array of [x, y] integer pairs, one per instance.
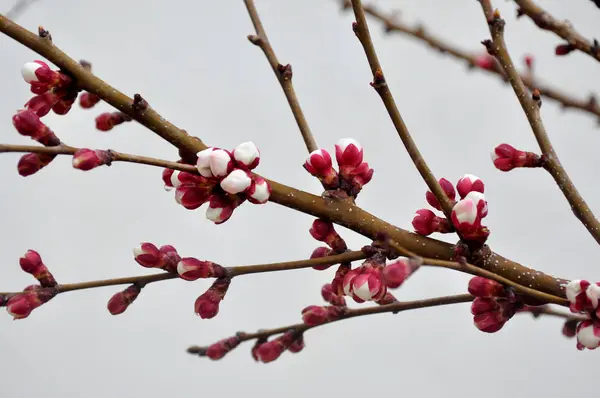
{"points": [[55, 90], [584, 297], [494, 304], [224, 180]]}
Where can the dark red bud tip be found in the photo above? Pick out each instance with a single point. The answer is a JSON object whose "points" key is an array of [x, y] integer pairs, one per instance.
{"points": [[564, 49]]}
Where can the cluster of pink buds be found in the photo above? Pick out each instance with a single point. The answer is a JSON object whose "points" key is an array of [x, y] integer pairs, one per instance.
{"points": [[353, 172], [584, 297], [225, 181], [493, 306], [506, 158], [365, 283], [55, 90], [20, 305]]}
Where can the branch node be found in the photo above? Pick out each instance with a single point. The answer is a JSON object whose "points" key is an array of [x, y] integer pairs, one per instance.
{"points": [[44, 34], [285, 71], [378, 80], [139, 103], [537, 97], [255, 39]]}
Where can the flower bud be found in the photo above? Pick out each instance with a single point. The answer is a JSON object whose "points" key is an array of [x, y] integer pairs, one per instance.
{"points": [[448, 189], [483, 287], [193, 196], [364, 284], [490, 314], [219, 349], [42, 104], [324, 231], [349, 154], [337, 284], [358, 178], [106, 121], [259, 192], [319, 165], [570, 328], [31, 163], [465, 215], [297, 345], [21, 305], [479, 199], [119, 302], [87, 159], [221, 207], [485, 61], [149, 256], [576, 294], [88, 100], [588, 334], [425, 222], [166, 177], [394, 274], [331, 297], [28, 123], [469, 183], [203, 162], [221, 163], [190, 269], [246, 155], [207, 305], [314, 315], [506, 158], [237, 181], [32, 263], [564, 49], [321, 252]]}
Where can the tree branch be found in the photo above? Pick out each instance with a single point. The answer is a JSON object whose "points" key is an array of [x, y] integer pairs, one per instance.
{"points": [[531, 107], [283, 73]]}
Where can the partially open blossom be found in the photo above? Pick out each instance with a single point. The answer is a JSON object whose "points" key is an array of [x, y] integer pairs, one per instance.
{"points": [[31, 163], [465, 215], [314, 315], [448, 189], [207, 305], [576, 294], [190, 269], [221, 162], [41, 78], [119, 302], [319, 165], [479, 199], [237, 181], [259, 191], [21, 305], [483, 287], [425, 222], [31, 262], [349, 154], [28, 123], [485, 61], [588, 334], [41, 104], [564, 49], [203, 162], [324, 231], [106, 121], [469, 183], [219, 349], [490, 314], [394, 274], [246, 155], [364, 284], [88, 100], [331, 297], [506, 158], [87, 159], [221, 207]]}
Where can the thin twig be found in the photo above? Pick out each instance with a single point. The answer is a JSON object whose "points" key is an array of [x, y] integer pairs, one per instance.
{"points": [[563, 29], [283, 73], [420, 33], [531, 106], [380, 85]]}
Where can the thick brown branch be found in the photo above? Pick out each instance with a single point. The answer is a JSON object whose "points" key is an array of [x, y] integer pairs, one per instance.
{"points": [[283, 73], [419, 32], [531, 107], [563, 29], [380, 85]]}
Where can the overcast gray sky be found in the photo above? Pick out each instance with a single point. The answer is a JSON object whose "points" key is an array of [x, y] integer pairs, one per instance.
{"points": [[193, 63]]}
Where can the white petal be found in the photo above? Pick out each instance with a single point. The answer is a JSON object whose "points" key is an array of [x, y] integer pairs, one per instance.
{"points": [[237, 181], [573, 289], [261, 192], [28, 71], [475, 196], [587, 337], [214, 213], [494, 155], [471, 177], [219, 162], [175, 180], [593, 293], [203, 164], [344, 142], [138, 251], [246, 153], [363, 292]]}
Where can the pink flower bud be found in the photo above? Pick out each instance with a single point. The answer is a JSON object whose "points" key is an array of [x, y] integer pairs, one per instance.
{"points": [[31, 163], [324, 231], [506, 158], [149, 256], [576, 294], [41, 78], [221, 163], [465, 215], [483, 287], [490, 314], [425, 222], [297, 345], [364, 284], [28, 123], [359, 177], [570, 328], [88, 100], [87, 159], [485, 61], [588, 334], [469, 183], [170, 258], [121, 301], [221, 207], [394, 274], [166, 177], [259, 192], [237, 181], [190, 269], [331, 297], [321, 252], [219, 349], [564, 49], [447, 187], [42, 104], [21, 305], [348, 153], [246, 155], [271, 350], [203, 162], [319, 165], [106, 121], [314, 315], [64, 103], [31, 262], [207, 305]]}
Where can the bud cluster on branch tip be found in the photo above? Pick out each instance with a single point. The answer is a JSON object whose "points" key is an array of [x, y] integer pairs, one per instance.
{"points": [[87, 159], [468, 212], [149, 256], [324, 231], [221, 348], [21, 305], [314, 315], [353, 172], [364, 283], [271, 350], [88, 100], [31, 163], [31, 262], [506, 158], [106, 121], [121, 301], [55, 90], [493, 305], [584, 297], [331, 296], [395, 273], [207, 304], [485, 61], [225, 181], [29, 124]]}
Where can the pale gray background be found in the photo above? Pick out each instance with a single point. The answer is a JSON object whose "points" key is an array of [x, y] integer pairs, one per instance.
{"points": [[193, 63]]}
